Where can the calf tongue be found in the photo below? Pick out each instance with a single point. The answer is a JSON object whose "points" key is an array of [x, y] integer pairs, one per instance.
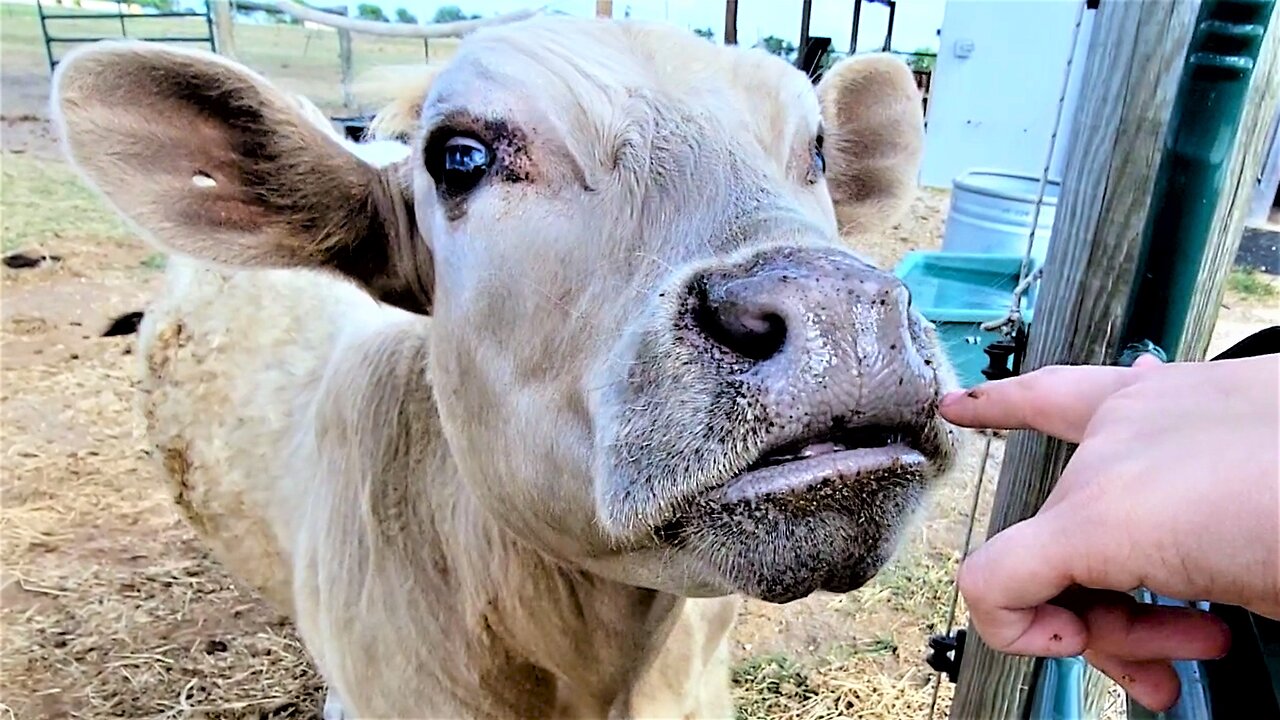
{"points": [[808, 451]]}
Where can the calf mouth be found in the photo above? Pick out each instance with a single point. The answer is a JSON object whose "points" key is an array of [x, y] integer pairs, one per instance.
{"points": [[833, 456], [822, 512]]}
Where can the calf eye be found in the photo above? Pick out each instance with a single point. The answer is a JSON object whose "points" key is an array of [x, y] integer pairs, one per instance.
{"points": [[817, 161], [459, 164]]}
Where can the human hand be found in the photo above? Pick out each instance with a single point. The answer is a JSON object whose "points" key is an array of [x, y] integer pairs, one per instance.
{"points": [[1175, 487]]}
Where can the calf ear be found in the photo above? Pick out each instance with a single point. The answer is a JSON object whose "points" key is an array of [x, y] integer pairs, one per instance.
{"points": [[874, 128], [209, 160]]}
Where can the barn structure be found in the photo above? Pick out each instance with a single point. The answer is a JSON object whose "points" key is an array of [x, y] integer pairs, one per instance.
{"points": [[996, 86]]}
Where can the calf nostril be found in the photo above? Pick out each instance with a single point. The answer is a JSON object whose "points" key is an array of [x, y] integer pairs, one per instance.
{"points": [[750, 329]]}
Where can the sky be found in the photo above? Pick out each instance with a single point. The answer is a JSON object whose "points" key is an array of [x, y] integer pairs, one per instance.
{"points": [[916, 22]]}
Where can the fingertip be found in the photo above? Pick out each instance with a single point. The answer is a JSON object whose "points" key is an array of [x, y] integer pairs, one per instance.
{"points": [[989, 406], [1209, 635], [1147, 360], [1056, 632], [1224, 642], [1045, 631], [959, 406], [1152, 684], [1220, 645]]}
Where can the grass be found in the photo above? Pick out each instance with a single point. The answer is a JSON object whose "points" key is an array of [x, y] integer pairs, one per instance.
{"points": [[770, 683], [44, 200], [298, 59], [1250, 284], [919, 585], [781, 687]]}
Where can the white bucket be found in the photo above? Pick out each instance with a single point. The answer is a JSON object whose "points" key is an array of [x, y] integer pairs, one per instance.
{"points": [[992, 212]]}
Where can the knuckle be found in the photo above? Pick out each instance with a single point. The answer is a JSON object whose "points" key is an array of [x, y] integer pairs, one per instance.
{"points": [[971, 581], [1049, 376]]}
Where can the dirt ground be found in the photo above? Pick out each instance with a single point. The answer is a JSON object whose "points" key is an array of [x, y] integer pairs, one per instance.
{"points": [[110, 608]]}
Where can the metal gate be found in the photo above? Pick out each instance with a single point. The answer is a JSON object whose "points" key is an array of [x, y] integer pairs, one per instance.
{"points": [[49, 20]]}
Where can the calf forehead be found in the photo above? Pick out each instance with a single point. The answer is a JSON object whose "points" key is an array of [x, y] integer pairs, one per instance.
{"points": [[607, 81]]}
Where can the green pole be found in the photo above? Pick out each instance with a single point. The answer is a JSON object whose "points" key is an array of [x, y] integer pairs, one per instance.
{"points": [[1206, 120]]}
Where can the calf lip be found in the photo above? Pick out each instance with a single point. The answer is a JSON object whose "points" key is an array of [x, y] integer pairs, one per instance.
{"points": [[799, 476]]}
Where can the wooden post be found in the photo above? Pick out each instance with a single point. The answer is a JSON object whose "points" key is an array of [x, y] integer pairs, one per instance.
{"points": [[345, 63], [1131, 77], [224, 39], [604, 8], [731, 22]]}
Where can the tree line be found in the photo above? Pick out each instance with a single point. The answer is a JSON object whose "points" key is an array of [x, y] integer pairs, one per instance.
{"points": [[448, 13]]}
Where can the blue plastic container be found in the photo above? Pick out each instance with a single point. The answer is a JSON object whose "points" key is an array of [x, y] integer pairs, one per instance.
{"points": [[958, 292]]}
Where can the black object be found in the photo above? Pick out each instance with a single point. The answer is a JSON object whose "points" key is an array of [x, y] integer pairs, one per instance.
{"points": [[998, 354], [946, 652], [1259, 250], [809, 57], [1263, 342], [1001, 352], [354, 128], [22, 261], [1243, 684], [1246, 682], [126, 324]]}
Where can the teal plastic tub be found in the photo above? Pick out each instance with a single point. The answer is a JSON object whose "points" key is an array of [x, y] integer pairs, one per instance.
{"points": [[958, 292]]}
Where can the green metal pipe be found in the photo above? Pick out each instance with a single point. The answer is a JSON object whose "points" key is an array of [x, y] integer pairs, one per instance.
{"points": [[1202, 132]]}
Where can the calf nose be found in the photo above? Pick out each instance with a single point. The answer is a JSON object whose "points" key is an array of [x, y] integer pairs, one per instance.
{"points": [[825, 333], [792, 298], [741, 315]]}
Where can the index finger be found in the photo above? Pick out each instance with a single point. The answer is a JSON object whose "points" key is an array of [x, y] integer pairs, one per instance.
{"points": [[1057, 400]]}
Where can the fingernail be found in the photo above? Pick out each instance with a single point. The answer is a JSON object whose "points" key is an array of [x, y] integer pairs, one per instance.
{"points": [[956, 396]]}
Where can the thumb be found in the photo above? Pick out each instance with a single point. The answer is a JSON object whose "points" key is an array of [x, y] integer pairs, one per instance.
{"points": [[1009, 581], [1147, 360], [1058, 401]]}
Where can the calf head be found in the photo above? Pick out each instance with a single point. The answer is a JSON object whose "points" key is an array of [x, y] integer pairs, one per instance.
{"points": [[653, 355]]}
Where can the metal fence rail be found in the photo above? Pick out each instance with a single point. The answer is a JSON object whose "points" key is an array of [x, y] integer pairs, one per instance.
{"points": [[52, 18]]}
